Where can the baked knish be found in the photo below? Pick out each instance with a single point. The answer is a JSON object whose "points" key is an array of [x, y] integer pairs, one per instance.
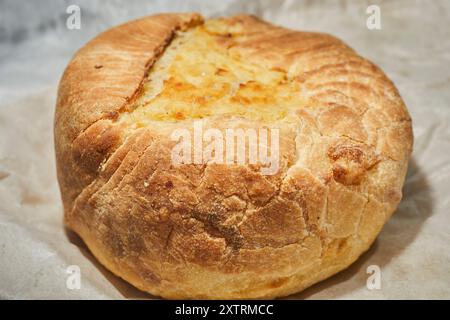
{"points": [[227, 230]]}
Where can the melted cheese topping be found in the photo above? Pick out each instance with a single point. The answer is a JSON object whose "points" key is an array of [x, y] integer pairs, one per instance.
{"points": [[196, 77]]}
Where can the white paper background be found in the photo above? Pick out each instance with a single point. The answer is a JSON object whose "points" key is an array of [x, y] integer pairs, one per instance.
{"points": [[413, 47]]}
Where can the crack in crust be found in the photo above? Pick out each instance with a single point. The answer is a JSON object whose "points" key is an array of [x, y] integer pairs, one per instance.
{"points": [[218, 231]]}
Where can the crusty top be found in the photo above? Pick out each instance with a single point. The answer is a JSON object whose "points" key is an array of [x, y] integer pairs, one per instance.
{"points": [[102, 78], [106, 74], [347, 135]]}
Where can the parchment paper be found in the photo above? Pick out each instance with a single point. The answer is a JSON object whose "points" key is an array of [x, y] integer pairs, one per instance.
{"points": [[413, 48]]}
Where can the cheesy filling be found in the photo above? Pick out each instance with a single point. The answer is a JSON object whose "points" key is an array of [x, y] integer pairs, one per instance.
{"points": [[196, 77]]}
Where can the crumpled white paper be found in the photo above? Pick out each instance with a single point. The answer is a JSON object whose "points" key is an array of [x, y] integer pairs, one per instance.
{"points": [[413, 47]]}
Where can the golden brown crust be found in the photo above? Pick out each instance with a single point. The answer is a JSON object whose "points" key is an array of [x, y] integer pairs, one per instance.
{"points": [[218, 231], [102, 78]]}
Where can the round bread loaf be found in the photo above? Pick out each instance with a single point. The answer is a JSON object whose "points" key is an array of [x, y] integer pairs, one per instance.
{"points": [[215, 227]]}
